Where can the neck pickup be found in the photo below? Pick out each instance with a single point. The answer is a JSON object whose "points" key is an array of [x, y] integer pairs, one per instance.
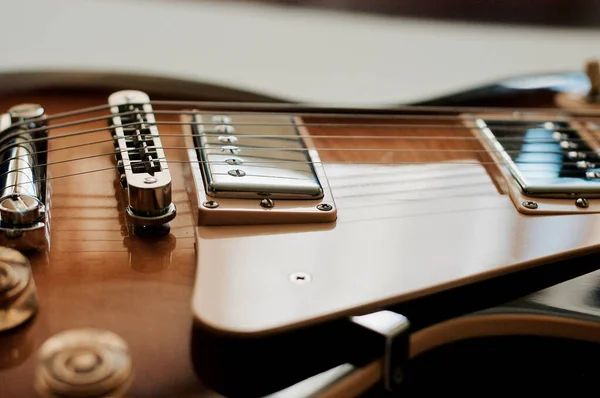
{"points": [[141, 161]]}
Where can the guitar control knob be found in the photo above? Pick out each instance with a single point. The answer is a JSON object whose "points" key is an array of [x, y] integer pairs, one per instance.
{"points": [[18, 298], [84, 363]]}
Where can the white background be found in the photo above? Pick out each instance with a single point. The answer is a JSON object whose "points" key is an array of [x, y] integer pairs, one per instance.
{"points": [[302, 55]]}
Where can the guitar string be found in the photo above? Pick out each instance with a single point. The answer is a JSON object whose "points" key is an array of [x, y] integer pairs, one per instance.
{"points": [[193, 112], [279, 149], [327, 109], [271, 161], [17, 132], [107, 117], [396, 138], [395, 163], [20, 133]]}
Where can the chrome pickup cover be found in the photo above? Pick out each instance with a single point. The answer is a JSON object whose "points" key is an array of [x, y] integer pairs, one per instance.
{"points": [[546, 163], [140, 159], [548, 158], [255, 169], [255, 156]]}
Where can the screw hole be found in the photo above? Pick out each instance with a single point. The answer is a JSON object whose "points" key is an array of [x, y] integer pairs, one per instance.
{"points": [[300, 278]]}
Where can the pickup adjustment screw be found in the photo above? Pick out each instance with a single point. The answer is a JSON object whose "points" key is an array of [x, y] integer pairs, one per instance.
{"points": [[530, 204], [300, 278]]}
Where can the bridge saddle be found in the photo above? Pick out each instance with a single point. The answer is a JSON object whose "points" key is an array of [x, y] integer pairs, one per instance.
{"points": [[24, 192], [141, 162]]}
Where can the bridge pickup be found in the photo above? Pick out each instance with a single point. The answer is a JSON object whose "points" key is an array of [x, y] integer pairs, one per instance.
{"points": [[251, 169], [141, 160]]}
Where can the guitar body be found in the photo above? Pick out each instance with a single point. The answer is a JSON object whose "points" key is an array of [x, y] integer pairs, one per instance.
{"points": [[209, 301]]}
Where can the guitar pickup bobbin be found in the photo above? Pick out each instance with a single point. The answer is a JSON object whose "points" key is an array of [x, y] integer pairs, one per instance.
{"points": [[24, 193], [141, 162]]}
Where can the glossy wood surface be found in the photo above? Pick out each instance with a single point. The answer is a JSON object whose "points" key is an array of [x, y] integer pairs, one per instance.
{"points": [[403, 231], [97, 275], [415, 216]]}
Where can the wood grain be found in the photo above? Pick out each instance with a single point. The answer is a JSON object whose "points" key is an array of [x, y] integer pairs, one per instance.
{"points": [[425, 227], [98, 275]]}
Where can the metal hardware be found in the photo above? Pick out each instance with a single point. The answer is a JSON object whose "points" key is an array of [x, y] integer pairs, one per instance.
{"points": [[267, 203], [233, 161], [23, 112], [24, 193], [582, 202], [230, 149], [149, 220], [227, 139], [278, 165], [224, 129], [388, 333], [236, 173], [530, 204], [211, 204], [300, 278], [324, 207], [537, 160], [18, 298], [141, 160], [221, 119], [84, 362], [286, 172]]}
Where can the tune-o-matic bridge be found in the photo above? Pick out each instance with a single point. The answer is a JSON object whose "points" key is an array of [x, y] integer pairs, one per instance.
{"points": [[256, 169], [141, 161], [24, 193]]}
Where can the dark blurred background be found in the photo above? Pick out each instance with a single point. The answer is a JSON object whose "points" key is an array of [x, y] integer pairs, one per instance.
{"points": [[565, 13]]}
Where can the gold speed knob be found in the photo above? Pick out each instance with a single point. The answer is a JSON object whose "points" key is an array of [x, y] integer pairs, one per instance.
{"points": [[84, 363]]}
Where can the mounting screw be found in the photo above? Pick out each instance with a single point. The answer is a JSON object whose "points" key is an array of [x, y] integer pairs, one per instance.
{"points": [[582, 202], [211, 204], [398, 376], [530, 204], [150, 180], [267, 203], [300, 278], [325, 207]]}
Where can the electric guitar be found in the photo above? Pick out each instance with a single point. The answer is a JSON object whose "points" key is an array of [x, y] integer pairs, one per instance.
{"points": [[176, 239]]}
